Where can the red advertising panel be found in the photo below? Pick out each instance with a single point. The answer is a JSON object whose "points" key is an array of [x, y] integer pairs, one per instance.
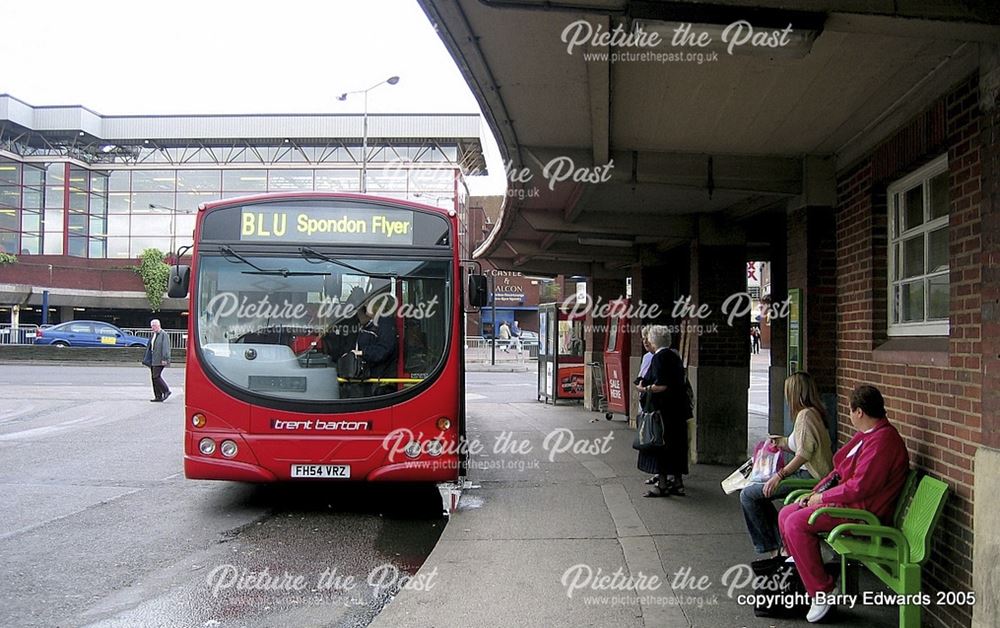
{"points": [[616, 355]]}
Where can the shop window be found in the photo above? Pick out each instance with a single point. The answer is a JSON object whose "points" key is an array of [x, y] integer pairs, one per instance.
{"points": [[918, 252]]}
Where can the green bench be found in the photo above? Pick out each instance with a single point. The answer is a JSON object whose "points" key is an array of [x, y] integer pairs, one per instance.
{"points": [[895, 554]]}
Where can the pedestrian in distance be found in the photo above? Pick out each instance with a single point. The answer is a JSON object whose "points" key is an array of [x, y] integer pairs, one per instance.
{"points": [[515, 338], [505, 336], [157, 358]]}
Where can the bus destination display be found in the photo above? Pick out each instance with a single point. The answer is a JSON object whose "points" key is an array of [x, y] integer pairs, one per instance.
{"points": [[346, 225]]}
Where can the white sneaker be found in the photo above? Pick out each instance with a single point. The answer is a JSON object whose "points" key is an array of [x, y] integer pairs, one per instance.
{"points": [[818, 611]]}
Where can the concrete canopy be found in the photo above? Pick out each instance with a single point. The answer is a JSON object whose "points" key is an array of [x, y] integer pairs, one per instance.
{"points": [[750, 132]]}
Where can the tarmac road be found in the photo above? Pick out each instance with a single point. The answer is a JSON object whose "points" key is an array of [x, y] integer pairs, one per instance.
{"points": [[99, 527]]}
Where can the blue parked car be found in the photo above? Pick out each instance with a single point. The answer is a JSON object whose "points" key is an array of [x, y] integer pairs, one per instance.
{"points": [[87, 334]]}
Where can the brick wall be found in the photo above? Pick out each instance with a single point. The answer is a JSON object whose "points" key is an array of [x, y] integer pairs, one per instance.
{"points": [[57, 271], [812, 267], [719, 273], [937, 408]]}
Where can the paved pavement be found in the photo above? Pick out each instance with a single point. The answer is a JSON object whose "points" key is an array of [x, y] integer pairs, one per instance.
{"points": [[544, 527]]}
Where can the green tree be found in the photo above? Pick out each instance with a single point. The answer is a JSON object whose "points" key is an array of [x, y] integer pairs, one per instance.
{"points": [[155, 274], [7, 258]]}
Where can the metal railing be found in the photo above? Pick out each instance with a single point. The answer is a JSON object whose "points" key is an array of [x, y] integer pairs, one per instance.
{"points": [[477, 348], [178, 337], [20, 335]]}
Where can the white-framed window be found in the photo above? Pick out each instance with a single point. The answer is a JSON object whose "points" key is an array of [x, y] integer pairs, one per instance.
{"points": [[918, 252]]}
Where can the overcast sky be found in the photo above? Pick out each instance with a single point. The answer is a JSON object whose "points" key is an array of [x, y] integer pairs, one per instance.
{"points": [[222, 56]]}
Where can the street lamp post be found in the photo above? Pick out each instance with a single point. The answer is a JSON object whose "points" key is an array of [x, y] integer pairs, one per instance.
{"points": [[392, 80]]}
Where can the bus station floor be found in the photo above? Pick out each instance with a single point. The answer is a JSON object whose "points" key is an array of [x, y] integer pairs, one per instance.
{"points": [[557, 510]]}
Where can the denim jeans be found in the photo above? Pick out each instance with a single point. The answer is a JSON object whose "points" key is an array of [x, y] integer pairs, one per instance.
{"points": [[761, 515]]}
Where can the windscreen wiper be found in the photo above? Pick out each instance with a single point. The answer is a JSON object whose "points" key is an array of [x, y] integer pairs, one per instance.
{"points": [[308, 253], [282, 272]]}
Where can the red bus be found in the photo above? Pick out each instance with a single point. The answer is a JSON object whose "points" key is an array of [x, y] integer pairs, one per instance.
{"points": [[325, 340]]}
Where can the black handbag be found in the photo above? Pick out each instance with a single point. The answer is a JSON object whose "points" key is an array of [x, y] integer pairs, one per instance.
{"points": [[650, 433], [352, 366]]}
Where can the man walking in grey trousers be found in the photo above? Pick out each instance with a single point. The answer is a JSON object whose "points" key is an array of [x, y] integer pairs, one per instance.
{"points": [[157, 358]]}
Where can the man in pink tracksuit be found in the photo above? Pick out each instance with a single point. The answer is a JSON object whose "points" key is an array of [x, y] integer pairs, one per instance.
{"points": [[870, 472]]}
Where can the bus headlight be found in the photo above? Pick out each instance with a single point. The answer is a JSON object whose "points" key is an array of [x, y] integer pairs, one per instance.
{"points": [[435, 448], [206, 446], [198, 420], [412, 450], [228, 448]]}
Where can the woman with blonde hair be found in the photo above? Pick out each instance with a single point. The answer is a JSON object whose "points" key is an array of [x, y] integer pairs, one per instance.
{"points": [[810, 442]]}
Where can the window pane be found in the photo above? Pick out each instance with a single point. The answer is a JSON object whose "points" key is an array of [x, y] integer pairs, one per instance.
{"points": [[31, 199], [338, 180], [117, 247], [393, 180], [8, 242], [189, 201], [184, 225], [34, 176], [897, 303], [118, 225], [8, 218], [79, 179], [432, 180], [78, 200], [188, 180], [10, 196], [78, 246], [139, 245], [914, 207], [912, 297], [244, 180], [153, 180], [98, 248], [98, 226], [937, 297], [119, 181], [10, 173], [98, 182], [119, 202], [163, 202], [896, 261], [30, 221], [77, 224], [151, 224], [54, 197], [939, 196], [29, 245], [913, 257], [937, 250], [290, 180], [55, 174], [54, 220], [53, 244]]}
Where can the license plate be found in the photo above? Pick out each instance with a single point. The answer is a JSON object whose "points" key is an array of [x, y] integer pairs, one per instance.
{"points": [[339, 471]]}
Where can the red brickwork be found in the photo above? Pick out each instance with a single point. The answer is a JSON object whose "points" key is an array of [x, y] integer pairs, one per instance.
{"points": [[937, 409]]}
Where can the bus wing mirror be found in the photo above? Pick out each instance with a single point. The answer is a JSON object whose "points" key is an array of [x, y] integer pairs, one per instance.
{"points": [[478, 291], [180, 277]]}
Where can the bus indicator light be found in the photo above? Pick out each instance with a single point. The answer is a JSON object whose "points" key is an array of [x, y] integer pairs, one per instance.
{"points": [[198, 420]]}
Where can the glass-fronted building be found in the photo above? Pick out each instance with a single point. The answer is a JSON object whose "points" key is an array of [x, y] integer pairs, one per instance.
{"points": [[82, 190]]}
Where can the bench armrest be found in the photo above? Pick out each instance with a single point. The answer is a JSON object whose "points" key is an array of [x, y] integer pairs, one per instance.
{"points": [[798, 483], [795, 495], [845, 513], [877, 533]]}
